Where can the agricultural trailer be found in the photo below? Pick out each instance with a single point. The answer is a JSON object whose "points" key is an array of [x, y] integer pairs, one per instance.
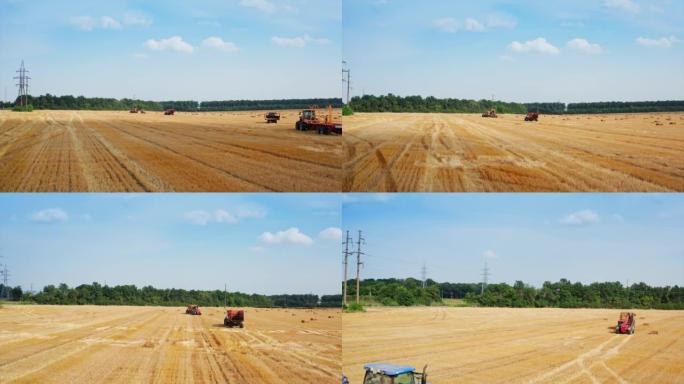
{"points": [[383, 373], [308, 121], [234, 318], [626, 323], [272, 117], [193, 310]]}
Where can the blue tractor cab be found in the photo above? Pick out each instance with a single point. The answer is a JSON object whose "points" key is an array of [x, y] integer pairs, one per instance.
{"points": [[382, 373]]}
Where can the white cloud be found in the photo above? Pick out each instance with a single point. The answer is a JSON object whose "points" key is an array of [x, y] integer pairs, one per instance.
{"points": [[332, 233], [221, 216], [663, 42], [623, 5], [261, 5], [50, 215], [538, 45], [501, 21], [220, 44], [473, 25], [198, 217], [84, 23], [250, 213], [298, 42], [582, 45], [175, 43], [108, 22], [451, 25], [137, 19], [489, 254], [291, 236], [448, 24], [586, 216]]}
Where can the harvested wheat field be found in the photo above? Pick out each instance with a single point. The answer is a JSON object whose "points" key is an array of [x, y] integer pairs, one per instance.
{"points": [[463, 152], [109, 344], [73, 151], [505, 345]]}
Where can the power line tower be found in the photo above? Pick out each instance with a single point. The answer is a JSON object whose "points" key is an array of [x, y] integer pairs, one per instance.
{"points": [[347, 80], [359, 241], [485, 277], [23, 85], [423, 274], [346, 243]]}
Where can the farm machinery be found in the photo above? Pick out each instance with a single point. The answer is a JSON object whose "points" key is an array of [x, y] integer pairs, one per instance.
{"points": [[169, 111], [308, 121], [382, 373], [626, 323], [491, 113], [532, 116], [137, 110], [234, 318], [272, 117], [193, 310]]}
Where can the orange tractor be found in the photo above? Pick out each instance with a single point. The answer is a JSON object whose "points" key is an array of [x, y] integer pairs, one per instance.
{"points": [[193, 310], [234, 318], [308, 121], [626, 323]]}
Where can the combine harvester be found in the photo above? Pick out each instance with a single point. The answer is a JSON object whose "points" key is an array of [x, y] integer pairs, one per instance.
{"points": [[193, 310], [308, 121], [234, 318], [626, 323], [272, 117], [491, 113], [532, 116], [382, 373]]}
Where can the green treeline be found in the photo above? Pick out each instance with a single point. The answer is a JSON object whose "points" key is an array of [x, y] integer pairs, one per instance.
{"points": [[251, 105], [546, 108], [98, 294], [69, 102], [627, 107], [393, 103], [563, 294]]}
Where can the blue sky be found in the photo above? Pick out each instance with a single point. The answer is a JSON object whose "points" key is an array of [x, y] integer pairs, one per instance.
{"points": [[173, 49], [529, 237], [256, 243], [522, 50]]}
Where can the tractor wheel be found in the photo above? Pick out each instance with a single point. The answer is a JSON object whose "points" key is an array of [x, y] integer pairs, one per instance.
{"points": [[298, 125], [242, 325]]}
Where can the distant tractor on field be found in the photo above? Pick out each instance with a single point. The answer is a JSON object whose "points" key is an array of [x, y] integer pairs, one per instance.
{"points": [[626, 323], [381, 373], [169, 111], [491, 113], [137, 110], [272, 117], [193, 310], [308, 121], [532, 116], [234, 318]]}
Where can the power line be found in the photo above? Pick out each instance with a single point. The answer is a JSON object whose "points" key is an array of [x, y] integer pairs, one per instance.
{"points": [[346, 243], [23, 85], [360, 241], [423, 274], [485, 277], [348, 79]]}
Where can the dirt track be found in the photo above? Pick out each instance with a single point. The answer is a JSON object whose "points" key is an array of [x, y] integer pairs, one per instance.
{"points": [[458, 152], [73, 151], [89, 344], [500, 345]]}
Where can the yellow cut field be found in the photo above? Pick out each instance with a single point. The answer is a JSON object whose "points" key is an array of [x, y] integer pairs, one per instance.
{"points": [[526, 345], [416, 152], [79, 151], [111, 344]]}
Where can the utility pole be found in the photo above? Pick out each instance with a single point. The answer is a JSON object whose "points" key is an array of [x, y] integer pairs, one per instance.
{"points": [[348, 79], [485, 277], [424, 274], [225, 299], [360, 241], [346, 243], [23, 85]]}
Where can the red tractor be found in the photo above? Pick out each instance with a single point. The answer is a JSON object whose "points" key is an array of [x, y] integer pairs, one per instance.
{"points": [[532, 116], [626, 323], [272, 117], [234, 318], [193, 310], [169, 111], [308, 121]]}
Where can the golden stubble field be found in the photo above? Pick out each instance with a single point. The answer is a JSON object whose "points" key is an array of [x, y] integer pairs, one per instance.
{"points": [[108, 151], [464, 152], [506, 345], [110, 344]]}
